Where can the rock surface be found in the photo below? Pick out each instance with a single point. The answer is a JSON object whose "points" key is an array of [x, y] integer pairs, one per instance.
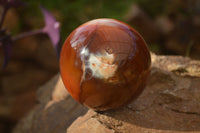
{"points": [[54, 113], [169, 103]]}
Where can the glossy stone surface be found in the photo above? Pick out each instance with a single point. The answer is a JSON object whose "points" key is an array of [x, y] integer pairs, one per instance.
{"points": [[104, 64]]}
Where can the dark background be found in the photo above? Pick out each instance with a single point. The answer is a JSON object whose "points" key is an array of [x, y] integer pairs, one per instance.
{"points": [[170, 27]]}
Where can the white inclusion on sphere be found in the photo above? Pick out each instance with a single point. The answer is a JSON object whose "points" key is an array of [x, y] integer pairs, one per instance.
{"points": [[101, 65]]}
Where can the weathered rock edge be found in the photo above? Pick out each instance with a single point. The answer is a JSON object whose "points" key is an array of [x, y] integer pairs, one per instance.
{"points": [[55, 111], [169, 103]]}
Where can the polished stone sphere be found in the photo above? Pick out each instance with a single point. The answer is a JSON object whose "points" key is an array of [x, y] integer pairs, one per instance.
{"points": [[104, 64]]}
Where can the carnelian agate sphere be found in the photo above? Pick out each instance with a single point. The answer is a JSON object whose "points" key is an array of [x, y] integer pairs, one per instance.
{"points": [[104, 64]]}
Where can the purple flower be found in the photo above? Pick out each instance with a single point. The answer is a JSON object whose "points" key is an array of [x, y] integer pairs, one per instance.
{"points": [[52, 27]]}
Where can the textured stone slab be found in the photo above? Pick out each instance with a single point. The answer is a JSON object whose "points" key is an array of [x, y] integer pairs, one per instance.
{"points": [[170, 103], [54, 113]]}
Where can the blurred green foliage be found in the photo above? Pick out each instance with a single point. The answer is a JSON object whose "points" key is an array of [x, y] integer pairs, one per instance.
{"points": [[72, 13], [153, 7]]}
